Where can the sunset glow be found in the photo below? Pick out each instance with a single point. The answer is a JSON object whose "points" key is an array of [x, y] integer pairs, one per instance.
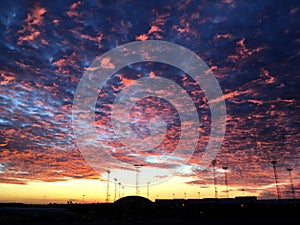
{"points": [[251, 48]]}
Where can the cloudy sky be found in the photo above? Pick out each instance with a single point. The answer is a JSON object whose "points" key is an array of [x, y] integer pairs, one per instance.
{"points": [[251, 47]]}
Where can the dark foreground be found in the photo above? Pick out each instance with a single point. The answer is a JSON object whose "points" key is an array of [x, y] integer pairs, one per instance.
{"points": [[138, 210]]}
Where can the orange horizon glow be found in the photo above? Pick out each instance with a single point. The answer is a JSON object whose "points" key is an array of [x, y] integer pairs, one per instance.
{"points": [[57, 192], [94, 191], [47, 48]]}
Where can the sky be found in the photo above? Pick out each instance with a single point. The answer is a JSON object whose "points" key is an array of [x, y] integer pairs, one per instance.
{"points": [[251, 47]]}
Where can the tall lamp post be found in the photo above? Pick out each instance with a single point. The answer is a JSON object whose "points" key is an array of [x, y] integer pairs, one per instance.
{"points": [[292, 183], [137, 167], [148, 189], [243, 191], [226, 180], [119, 190], [107, 187], [274, 162], [214, 162], [116, 180]]}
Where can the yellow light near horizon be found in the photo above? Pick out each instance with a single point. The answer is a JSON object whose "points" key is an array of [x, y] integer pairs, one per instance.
{"points": [[55, 192], [95, 191]]}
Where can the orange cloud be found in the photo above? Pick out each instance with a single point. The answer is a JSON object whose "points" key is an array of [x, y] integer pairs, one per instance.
{"points": [[30, 30]]}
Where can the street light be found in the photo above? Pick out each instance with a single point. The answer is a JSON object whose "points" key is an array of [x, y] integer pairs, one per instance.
{"points": [[274, 162], [83, 199], [107, 188], [226, 181], [119, 190], [116, 180], [214, 162], [123, 191], [137, 167], [291, 180], [199, 194], [148, 189]]}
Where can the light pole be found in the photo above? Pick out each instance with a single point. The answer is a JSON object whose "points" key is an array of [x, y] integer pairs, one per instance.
{"points": [[83, 199], [119, 190], [243, 190], [214, 162], [116, 180], [107, 188], [226, 181], [291, 180], [198, 194], [137, 167], [123, 191], [148, 189], [184, 195], [274, 162], [173, 195]]}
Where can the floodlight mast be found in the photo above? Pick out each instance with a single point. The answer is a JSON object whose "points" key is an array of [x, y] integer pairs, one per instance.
{"points": [[274, 162], [148, 189], [120, 185], [291, 181], [116, 181], [107, 187], [214, 162], [226, 180], [137, 167]]}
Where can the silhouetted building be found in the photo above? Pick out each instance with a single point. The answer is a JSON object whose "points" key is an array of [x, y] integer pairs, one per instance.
{"points": [[132, 207]]}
